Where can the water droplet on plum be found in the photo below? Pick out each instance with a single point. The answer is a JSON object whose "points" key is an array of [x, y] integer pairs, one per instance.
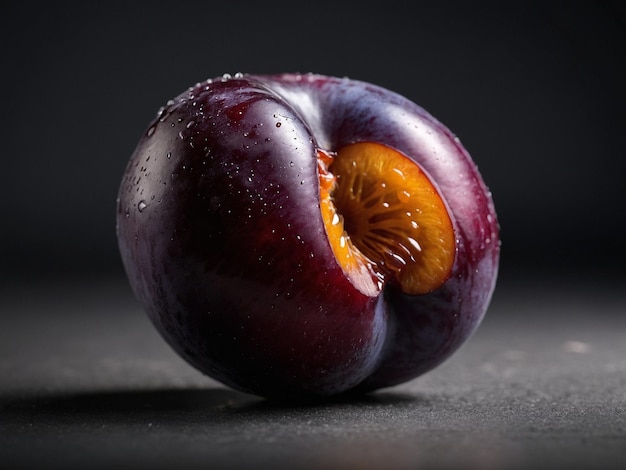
{"points": [[151, 131], [142, 206]]}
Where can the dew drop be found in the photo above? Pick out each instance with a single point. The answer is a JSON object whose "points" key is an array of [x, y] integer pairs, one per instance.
{"points": [[404, 196], [398, 259], [151, 131], [226, 77], [142, 206], [239, 75], [414, 243], [190, 124], [169, 155], [278, 124], [399, 172]]}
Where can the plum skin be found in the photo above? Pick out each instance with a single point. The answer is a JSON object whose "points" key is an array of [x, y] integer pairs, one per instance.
{"points": [[221, 236]]}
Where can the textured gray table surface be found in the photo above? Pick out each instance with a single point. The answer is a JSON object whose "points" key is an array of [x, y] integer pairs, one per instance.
{"points": [[86, 382]]}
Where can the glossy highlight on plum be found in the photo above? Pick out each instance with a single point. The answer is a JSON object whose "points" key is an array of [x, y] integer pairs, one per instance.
{"points": [[304, 236]]}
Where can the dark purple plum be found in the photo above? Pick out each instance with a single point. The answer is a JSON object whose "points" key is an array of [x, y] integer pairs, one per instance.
{"points": [[298, 236]]}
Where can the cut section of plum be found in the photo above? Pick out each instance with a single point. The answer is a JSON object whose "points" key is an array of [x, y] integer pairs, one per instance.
{"points": [[385, 220]]}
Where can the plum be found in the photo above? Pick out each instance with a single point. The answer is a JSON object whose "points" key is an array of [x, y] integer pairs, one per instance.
{"points": [[305, 236]]}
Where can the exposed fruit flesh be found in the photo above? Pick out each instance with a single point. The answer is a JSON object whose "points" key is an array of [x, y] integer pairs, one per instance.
{"points": [[385, 220]]}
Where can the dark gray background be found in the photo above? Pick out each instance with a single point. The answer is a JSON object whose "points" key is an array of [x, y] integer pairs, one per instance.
{"points": [[533, 89]]}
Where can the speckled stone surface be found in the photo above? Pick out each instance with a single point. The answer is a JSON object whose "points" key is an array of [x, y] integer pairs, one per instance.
{"points": [[86, 382]]}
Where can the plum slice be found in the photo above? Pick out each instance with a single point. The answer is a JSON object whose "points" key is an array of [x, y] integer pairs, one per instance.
{"points": [[385, 220]]}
